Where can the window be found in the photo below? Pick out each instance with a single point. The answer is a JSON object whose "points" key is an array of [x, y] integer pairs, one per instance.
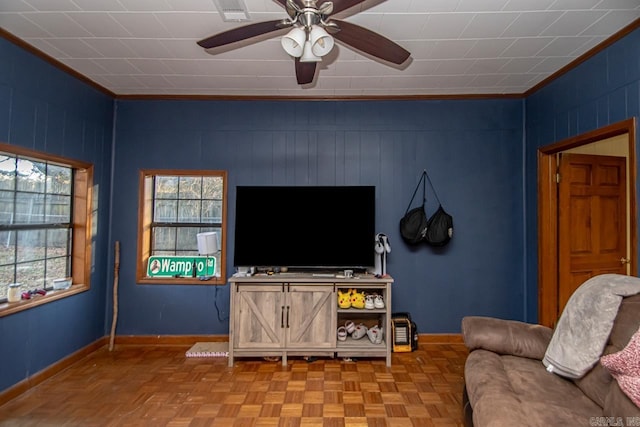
{"points": [[44, 226], [175, 206]]}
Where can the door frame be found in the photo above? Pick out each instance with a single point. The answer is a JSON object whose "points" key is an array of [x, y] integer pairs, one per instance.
{"points": [[548, 211]]}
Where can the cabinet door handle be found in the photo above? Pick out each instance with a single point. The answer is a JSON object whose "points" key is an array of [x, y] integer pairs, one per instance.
{"points": [[287, 317], [282, 317]]}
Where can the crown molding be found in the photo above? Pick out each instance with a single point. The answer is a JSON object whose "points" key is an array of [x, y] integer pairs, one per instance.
{"points": [[573, 64]]}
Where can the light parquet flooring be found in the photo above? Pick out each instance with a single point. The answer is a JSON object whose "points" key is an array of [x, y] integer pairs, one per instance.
{"points": [[159, 386]]}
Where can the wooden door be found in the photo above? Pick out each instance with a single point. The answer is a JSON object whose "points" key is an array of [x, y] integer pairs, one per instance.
{"points": [[259, 317], [592, 225], [311, 317]]}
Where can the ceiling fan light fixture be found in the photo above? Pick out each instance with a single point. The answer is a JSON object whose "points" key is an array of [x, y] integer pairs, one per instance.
{"points": [[293, 42], [321, 41], [312, 34], [307, 54]]}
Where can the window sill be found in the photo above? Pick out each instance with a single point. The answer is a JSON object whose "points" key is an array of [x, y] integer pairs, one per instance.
{"points": [[181, 281], [8, 308]]}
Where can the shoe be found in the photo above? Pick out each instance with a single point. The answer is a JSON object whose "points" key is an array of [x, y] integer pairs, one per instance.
{"points": [[344, 299], [357, 299], [342, 333], [368, 302], [378, 302], [350, 326], [375, 335], [372, 333], [360, 331]]}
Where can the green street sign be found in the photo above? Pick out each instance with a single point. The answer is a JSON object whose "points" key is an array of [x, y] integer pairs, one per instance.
{"points": [[180, 266]]}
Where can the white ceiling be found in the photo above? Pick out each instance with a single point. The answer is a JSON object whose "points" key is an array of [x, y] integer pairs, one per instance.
{"points": [[458, 47]]}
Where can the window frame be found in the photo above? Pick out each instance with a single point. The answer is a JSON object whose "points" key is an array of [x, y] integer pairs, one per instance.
{"points": [[145, 220], [81, 226]]}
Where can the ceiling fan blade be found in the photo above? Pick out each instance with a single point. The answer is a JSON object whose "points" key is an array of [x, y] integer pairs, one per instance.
{"points": [[370, 42], [340, 5], [283, 3], [305, 71], [241, 33]]}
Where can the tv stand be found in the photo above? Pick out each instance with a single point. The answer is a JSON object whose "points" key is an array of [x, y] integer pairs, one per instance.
{"points": [[298, 315]]}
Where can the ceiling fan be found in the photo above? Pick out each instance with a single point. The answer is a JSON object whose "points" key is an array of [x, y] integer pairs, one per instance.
{"points": [[312, 33]]}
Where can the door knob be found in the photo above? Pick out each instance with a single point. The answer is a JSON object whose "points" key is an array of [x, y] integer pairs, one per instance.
{"points": [[624, 260]]}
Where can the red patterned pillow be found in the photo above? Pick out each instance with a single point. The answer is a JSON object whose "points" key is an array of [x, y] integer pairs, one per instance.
{"points": [[624, 366]]}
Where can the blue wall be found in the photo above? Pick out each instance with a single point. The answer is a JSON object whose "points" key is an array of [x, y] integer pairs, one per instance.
{"points": [[603, 90], [45, 109], [473, 152]]}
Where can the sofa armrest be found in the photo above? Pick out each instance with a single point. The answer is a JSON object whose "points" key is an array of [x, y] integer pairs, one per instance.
{"points": [[506, 336]]}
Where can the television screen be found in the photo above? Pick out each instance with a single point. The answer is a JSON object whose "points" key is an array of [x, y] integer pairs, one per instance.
{"points": [[305, 226]]}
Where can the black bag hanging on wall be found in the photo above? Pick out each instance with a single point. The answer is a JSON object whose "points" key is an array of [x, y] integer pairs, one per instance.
{"points": [[440, 225], [413, 225], [440, 228], [416, 228]]}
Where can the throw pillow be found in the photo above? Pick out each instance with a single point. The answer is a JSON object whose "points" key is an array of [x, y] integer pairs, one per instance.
{"points": [[624, 366]]}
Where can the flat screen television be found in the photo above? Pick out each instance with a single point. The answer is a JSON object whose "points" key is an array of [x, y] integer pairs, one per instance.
{"points": [[305, 227]]}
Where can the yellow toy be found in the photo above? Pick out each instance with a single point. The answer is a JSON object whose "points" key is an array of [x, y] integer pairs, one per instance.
{"points": [[344, 299], [357, 299]]}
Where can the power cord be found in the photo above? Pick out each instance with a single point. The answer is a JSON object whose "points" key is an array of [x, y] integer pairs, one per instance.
{"points": [[215, 304]]}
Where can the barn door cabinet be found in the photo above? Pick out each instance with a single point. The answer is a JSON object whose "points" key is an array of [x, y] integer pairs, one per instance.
{"points": [[297, 315]]}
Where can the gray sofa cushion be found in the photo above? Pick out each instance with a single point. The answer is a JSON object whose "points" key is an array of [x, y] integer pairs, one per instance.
{"points": [[617, 404], [506, 336], [511, 390]]}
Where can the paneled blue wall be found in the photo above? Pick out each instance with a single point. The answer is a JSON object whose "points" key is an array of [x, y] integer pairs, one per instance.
{"points": [[45, 109], [601, 91], [472, 150]]}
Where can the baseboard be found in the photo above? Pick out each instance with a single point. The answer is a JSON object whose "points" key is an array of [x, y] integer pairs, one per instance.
{"points": [[49, 371], [191, 339], [186, 340]]}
